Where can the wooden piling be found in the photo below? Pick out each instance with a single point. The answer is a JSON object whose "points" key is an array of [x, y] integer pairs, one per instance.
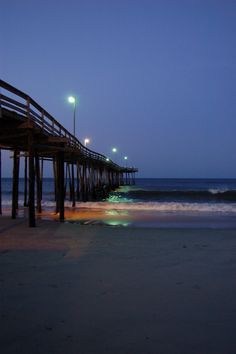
{"points": [[84, 186], [15, 183], [72, 185], [26, 182], [77, 181], [55, 179], [92, 185], [41, 179], [38, 182], [61, 193], [31, 181], [0, 182], [54, 164], [70, 182]]}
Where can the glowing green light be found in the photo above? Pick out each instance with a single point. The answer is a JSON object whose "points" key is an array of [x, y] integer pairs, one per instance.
{"points": [[116, 223], [125, 157], [71, 99], [114, 149]]}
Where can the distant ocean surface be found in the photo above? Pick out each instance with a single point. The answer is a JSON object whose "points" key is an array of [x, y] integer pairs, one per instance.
{"points": [[152, 202]]}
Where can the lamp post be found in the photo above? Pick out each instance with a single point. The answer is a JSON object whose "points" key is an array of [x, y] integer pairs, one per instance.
{"points": [[125, 158], [72, 100]]}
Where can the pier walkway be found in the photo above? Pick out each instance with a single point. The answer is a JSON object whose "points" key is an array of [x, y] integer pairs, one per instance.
{"points": [[35, 136]]}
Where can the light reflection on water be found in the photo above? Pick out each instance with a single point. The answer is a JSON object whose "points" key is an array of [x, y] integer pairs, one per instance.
{"points": [[118, 198], [89, 216]]}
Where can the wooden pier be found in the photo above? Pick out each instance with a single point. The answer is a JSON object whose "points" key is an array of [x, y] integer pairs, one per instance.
{"points": [[34, 136]]}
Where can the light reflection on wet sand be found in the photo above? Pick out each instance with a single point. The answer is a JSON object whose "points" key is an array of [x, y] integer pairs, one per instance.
{"points": [[137, 218]]}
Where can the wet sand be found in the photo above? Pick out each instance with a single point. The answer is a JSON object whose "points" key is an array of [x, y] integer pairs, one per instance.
{"points": [[68, 288]]}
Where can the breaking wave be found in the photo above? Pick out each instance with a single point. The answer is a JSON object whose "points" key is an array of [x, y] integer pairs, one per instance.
{"points": [[211, 194], [160, 206], [145, 206]]}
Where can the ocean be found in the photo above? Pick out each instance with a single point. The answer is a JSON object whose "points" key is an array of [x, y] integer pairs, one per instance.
{"points": [[151, 202]]}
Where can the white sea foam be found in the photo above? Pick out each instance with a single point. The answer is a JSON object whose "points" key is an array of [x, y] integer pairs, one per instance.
{"points": [[218, 191], [163, 206], [147, 206]]}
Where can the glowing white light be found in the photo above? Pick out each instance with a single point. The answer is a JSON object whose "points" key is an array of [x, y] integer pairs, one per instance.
{"points": [[71, 99], [86, 141]]}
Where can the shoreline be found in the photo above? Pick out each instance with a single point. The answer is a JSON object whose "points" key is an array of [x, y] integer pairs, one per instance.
{"points": [[135, 218]]}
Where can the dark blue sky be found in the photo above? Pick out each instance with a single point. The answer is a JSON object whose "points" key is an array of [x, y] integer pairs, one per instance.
{"points": [[157, 79]]}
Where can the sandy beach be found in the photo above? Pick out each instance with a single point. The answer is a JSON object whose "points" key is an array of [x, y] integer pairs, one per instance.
{"points": [[68, 288]]}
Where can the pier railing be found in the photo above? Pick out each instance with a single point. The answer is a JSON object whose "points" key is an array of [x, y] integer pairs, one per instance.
{"points": [[29, 109]]}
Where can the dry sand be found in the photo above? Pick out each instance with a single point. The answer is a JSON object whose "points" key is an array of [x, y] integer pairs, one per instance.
{"points": [[67, 288]]}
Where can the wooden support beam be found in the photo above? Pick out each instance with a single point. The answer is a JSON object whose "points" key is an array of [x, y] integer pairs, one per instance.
{"points": [[31, 180], [110, 179], [41, 180], [15, 184], [55, 173], [65, 183], [70, 181], [84, 185], [72, 185], [26, 182], [122, 176], [92, 182], [61, 193], [38, 183], [133, 178], [81, 182], [0, 182], [77, 181]]}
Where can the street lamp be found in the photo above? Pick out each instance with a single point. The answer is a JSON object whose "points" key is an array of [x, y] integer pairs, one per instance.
{"points": [[86, 141], [125, 158], [72, 100], [114, 149]]}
